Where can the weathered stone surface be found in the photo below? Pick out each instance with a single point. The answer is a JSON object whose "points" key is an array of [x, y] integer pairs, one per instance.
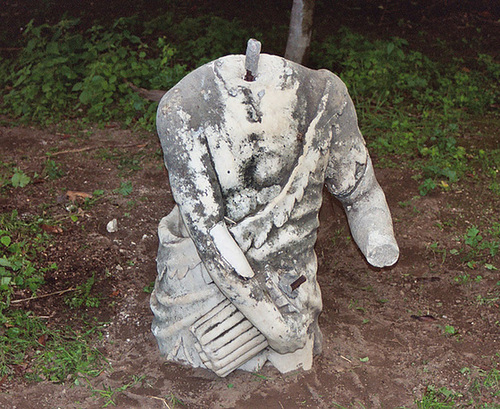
{"points": [[247, 162]]}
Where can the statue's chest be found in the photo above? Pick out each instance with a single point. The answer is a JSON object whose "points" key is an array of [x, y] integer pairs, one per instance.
{"points": [[254, 159], [257, 142]]}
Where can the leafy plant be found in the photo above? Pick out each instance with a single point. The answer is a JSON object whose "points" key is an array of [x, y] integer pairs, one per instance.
{"points": [[20, 242], [125, 188], [450, 330], [97, 195], [128, 165], [149, 288], [435, 247], [52, 170], [19, 178], [442, 398], [478, 249], [465, 278], [215, 37], [427, 186], [63, 72], [410, 105]]}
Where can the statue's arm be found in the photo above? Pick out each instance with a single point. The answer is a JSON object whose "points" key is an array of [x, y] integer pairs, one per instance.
{"points": [[197, 192], [370, 221], [195, 187], [350, 178]]}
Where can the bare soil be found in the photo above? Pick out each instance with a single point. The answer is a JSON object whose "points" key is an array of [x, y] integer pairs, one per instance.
{"points": [[380, 349]]}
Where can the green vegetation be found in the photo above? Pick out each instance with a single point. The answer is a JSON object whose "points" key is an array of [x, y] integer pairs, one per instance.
{"points": [[414, 107], [63, 74], [97, 195], [26, 341], [52, 170], [20, 241], [82, 297], [45, 353], [19, 178], [450, 330], [109, 395], [482, 391], [477, 250], [149, 288], [437, 398], [125, 188], [408, 104]]}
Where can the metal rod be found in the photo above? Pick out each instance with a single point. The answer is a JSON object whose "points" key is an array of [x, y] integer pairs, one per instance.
{"points": [[252, 59], [298, 282]]}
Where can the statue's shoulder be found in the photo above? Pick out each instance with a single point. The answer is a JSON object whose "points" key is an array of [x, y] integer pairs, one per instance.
{"points": [[191, 85], [332, 78]]}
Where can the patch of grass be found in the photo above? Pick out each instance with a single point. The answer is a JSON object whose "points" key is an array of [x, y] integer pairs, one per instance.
{"points": [[477, 249], [5, 174], [173, 401], [81, 297], [437, 398], [437, 249], [128, 163], [109, 394], [488, 299], [482, 391], [355, 305], [21, 240], [27, 344], [482, 387], [466, 278], [337, 234], [45, 353]]}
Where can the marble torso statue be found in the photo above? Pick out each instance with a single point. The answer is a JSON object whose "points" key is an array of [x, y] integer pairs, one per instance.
{"points": [[247, 162]]}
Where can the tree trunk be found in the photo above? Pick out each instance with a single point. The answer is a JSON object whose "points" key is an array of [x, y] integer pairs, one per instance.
{"points": [[299, 34]]}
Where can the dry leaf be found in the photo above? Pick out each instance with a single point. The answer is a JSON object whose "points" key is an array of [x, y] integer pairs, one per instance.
{"points": [[43, 339], [74, 196], [51, 229]]}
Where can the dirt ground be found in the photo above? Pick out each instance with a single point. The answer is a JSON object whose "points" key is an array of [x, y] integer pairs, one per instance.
{"points": [[384, 330], [376, 351]]}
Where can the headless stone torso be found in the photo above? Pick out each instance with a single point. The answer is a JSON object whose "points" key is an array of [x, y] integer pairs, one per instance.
{"points": [[251, 158]]}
